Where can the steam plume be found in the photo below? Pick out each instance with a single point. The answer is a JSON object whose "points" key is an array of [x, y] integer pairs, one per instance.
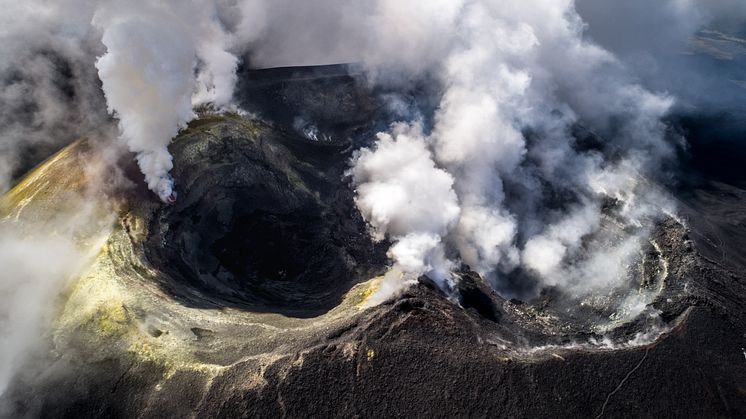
{"points": [[148, 75], [397, 203], [509, 69]]}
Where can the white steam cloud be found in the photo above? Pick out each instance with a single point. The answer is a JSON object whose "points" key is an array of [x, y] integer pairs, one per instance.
{"points": [[398, 204], [517, 78], [162, 59], [510, 68]]}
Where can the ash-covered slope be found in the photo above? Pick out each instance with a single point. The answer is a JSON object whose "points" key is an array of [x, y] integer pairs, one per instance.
{"points": [[249, 298]]}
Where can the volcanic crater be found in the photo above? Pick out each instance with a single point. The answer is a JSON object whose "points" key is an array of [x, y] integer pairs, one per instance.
{"points": [[251, 295]]}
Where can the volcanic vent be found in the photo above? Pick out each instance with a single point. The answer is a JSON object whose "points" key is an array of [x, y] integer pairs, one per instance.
{"points": [[259, 226]]}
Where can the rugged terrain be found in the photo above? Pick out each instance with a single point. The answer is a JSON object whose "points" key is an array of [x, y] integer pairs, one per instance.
{"points": [[250, 296]]}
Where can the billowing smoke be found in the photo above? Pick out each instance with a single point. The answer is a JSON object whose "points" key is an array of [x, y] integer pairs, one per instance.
{"points": [[156, 61], [397, 202], [162, 59], [517, 78], [51, 93]]}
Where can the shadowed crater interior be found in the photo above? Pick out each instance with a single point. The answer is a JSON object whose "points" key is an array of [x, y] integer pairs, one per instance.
{"points": [[258, 224]]}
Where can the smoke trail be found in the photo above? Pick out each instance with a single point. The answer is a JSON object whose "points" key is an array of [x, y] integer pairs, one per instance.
{"points": [[397, 203], [148, 75], [509, 69]]}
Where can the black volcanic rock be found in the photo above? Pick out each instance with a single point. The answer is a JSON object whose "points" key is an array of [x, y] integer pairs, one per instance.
{"points": [[330, 102], [264, 222]]}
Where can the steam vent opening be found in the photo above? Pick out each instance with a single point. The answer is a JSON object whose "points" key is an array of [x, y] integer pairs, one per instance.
{"points": [[257, 226]]}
